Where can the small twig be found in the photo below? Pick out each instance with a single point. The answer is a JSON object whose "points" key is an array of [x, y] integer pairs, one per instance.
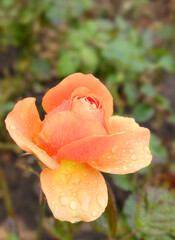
{"points": [[129, 235], [28, 168]]}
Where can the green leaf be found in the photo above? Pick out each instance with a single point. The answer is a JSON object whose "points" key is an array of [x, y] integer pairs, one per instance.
{"points": [[131, 93], [143, 112], [107, 223], [121, 23], [11, 236], [8, 106], [155, 215], [56, 14], [167, 63], [159, 99], [122, 182], [68, 63], [124, 54], [89, 60], [41, 69], [129, 210], [7, 3], [156, 147], [60, 230], [148, 90]]}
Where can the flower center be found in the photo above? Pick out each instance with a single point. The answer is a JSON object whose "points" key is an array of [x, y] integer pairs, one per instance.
{"points": [[93, 102]]}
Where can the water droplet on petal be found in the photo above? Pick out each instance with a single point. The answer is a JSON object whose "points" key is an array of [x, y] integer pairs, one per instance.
{"points": [[63, 201], [131, 151], [73, 205], [94, 213], [114, 149], [125, 168], [75, 181], [101, 201], [75, 219], [53, 202], [56, 208], [134, 157], [13, 127]]}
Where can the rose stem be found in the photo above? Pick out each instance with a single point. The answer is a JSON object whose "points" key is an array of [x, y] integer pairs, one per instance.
{"points": [[41, 215], [7, 199]]}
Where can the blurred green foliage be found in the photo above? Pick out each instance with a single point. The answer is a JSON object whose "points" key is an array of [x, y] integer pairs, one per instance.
{"points": [[44, 40]]}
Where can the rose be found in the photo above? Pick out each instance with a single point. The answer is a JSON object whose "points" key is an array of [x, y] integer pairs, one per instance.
{"points": [[77, 139]]}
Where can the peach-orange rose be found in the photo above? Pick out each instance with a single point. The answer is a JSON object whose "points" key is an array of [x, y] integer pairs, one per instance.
{"points": [[77, 139]]}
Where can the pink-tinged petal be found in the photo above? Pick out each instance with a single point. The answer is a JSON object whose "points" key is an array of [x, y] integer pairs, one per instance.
{"points": [[75, 192], [87, 149], [55, 96], [88, 106], [23, 124], [64, 106], [62, 128], [120, 124], [130, 153]]}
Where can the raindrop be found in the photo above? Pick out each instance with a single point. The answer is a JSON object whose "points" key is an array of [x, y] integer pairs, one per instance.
{"points": [[125, 168], [75, 219], [22, 115], [114, 149], [131, 151], [13, 127], [94, 213], [75, 181], [63, 201], [73, 205], [134, 157], [53, 202], [56, 208], [101, 201]]}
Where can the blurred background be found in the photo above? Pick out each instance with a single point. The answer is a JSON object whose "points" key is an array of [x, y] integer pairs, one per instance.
{"points": [[130, 46]]}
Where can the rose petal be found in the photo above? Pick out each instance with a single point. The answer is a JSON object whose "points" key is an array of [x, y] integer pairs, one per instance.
{"points": [[75, 192], [23, 124], [87, 149], [81, 105], [120, 124], [61, 128], [55, 96], [131, 152]]}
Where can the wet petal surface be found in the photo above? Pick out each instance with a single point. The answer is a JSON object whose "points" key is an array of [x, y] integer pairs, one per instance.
{"points": [[131, 151], [23, 124], [75, 192], [87, 149], [62, 128]]}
